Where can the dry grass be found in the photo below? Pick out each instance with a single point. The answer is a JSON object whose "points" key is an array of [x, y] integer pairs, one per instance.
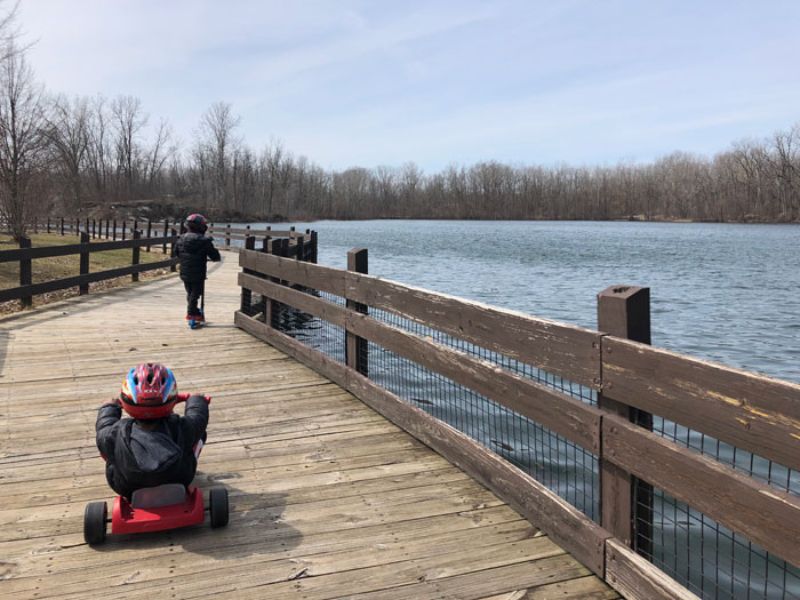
{"points": [[58, 267]]}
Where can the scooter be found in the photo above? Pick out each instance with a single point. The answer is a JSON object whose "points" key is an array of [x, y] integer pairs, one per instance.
{"points": [[197, 324]]}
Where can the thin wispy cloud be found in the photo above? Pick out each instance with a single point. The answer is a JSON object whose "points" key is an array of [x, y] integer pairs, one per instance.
{"points": [[437, 82]]}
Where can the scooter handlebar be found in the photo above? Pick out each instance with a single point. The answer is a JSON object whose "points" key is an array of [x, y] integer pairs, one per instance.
{"points": [[184, 396]]}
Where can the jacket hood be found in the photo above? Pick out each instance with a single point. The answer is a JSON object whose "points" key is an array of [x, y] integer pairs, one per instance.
{"points": [[150, 452]]}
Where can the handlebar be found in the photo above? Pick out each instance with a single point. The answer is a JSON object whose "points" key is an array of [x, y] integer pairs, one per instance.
{"points": [[184, 396]]}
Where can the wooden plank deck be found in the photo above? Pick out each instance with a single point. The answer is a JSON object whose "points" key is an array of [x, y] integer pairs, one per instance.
{"points": [[329, 499]]}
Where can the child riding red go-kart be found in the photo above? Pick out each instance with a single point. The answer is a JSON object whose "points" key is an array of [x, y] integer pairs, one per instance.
{"points": [[151, 458]]}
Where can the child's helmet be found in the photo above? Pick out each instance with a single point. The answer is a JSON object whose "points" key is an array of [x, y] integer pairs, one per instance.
{"points": [[196, 223], [149, 391]]}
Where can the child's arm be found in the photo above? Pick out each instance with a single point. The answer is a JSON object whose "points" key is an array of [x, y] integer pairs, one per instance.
{"points": [[211, 252], [195, 417], [108, 416]]}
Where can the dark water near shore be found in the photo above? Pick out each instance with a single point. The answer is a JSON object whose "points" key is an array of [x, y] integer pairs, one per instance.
{"points": [[729, 293]]}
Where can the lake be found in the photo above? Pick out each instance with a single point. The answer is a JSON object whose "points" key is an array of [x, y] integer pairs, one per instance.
{"points": [[725, 292]]}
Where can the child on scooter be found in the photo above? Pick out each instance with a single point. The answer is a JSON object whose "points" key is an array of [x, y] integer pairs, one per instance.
{"points": [[193, 248], [155, 446]]}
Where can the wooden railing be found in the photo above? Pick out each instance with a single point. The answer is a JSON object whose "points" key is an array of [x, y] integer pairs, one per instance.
{"points": [[631, 380], [25, 255], [304, 243]]}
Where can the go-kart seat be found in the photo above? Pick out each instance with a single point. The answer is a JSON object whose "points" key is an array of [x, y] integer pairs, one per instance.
{"points": [[160, 495]]}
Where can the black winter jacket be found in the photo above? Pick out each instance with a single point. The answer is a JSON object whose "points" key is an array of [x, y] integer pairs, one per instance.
{"points": [[193, 249], [137, 458]]}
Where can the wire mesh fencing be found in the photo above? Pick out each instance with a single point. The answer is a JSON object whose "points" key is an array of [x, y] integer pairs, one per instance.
{"points": [[694, 549]]}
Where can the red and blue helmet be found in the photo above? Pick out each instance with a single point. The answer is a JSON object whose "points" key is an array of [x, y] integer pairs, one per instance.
{"points": [[149, 391], [196, 223]]}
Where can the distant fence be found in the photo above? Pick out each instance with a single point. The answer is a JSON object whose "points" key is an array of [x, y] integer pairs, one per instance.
{"points": [[26, 254], [630, 457], [136, 235]]}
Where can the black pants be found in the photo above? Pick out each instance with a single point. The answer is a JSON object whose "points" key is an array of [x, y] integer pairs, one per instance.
{"points": [[194, 289]]}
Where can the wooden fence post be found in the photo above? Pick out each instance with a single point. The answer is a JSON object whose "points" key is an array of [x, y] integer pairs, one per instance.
{"points": [[228, 235], [314, 254], [135, 255], [84, 265], [266, 304], [124, 225], [62, 225], [355, 347], [626, 508], [173, 267], [149, 231], [48, 224], [166, 233], [247, 295], [25, 272], [35, 225], [94, 228]]}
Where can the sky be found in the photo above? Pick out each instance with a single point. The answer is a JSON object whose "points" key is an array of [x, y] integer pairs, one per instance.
{"points": [[368, 83]]}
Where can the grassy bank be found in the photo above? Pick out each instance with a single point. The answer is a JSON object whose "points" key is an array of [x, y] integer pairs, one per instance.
{"points": [[58, 267]]}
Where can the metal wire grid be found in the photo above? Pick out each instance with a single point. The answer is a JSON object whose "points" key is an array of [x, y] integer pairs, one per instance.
{"points": [[767, 471], [711, 560], [691, 547], [704, 555], [312, 331], [555, 462], [559, 464]]}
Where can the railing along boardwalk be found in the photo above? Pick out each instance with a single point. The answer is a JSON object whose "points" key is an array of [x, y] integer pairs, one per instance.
{"points": [[329, 499], [486, 386]]}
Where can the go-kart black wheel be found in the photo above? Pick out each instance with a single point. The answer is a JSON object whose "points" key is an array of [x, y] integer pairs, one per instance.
{"points": [[94, 523], [218, 506]]}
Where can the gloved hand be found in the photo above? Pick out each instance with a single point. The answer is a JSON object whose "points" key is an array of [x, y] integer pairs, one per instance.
{"points": [[184, 396]]}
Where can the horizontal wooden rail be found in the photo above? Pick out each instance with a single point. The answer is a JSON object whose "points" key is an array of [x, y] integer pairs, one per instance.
{"points": [[69, 249], [80, 280], [746, 410], [318, 277], [565, 350], [573, 419], [560, 520], [760, 512]]}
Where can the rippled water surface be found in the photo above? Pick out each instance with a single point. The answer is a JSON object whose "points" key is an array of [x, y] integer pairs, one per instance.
{"points": [[730, 293]]}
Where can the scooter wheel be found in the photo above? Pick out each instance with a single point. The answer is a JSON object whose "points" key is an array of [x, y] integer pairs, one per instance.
{"points": [[94, 523], [218, 504]]}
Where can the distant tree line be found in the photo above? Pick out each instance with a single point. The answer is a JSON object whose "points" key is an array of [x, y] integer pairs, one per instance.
{"points": [[98, 156]]}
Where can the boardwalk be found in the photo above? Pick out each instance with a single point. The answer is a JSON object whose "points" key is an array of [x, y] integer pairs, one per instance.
{"points": [[328, 499]]}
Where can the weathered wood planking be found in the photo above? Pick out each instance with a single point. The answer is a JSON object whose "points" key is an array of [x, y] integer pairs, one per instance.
{"points": [[328, 497], [308, 274], [760, 512], [749, 411], [566, 524], [565, 350], [635, 577]]}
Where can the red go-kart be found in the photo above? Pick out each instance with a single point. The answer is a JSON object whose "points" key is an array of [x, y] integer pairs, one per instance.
{"points": [[158, 508]]}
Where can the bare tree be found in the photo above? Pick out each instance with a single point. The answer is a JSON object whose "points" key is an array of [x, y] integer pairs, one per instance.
{"points": [[23, 145], [67, 131], [216, 138], [129, 119]]}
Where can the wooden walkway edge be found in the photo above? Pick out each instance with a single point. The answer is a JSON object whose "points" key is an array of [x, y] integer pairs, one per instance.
{"points": [[329, 499]]}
